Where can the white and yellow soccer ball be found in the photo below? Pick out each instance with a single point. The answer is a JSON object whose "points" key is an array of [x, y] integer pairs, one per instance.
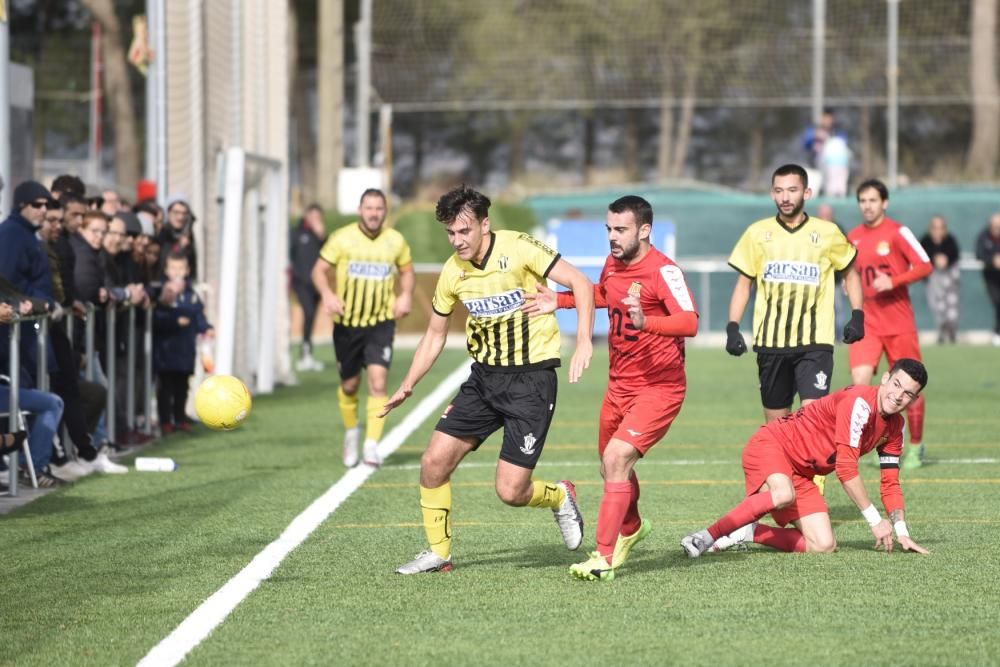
{"points": [[222, 402]]}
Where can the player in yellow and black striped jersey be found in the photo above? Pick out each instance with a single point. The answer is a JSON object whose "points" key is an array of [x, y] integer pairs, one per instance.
{"points": [[513, 380], [366, 258], [791, 259]]}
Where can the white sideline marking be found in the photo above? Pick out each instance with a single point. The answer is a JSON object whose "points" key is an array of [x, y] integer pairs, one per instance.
{"points": [[213, 611]]}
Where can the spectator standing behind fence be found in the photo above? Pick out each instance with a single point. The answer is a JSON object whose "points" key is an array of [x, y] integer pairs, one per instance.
{"points": [[304, 246], [943, 283], [988, 252], [177, 322], [176, 235]]}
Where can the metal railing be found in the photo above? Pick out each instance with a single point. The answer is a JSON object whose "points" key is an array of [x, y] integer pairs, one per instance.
{"points": [[133, 347]]}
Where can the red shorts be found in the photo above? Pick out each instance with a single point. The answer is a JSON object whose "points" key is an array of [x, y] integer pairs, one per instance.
{"points": [[639, 419], [762, 457], [868, 350]]}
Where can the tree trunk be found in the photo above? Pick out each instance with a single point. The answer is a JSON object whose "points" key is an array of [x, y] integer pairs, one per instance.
{"points": [[665, 148], [518, 124], [418, 152], [633, 173], [119, 96], [589, 145], [305, 141], [330, 87], [984, 144], [867, 167], [755, 161], [683, 142]]}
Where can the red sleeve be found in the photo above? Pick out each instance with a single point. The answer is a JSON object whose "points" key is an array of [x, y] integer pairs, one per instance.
{"points": [[892, 493], [920, 263], [853, 414], [682, 324], [567, 300], [672, 290]]}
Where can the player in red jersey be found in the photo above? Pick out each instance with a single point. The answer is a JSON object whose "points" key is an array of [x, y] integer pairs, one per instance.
{"points": [[889, 258], [651, 310], [827, 435]]}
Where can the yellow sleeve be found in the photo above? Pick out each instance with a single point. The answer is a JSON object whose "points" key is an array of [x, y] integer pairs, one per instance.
{"points": [[842, 251], [404, 257], [331, 250], [745, 257], [444, 298], [537, 257]]}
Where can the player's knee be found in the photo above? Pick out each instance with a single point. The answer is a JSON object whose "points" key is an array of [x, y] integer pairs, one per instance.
{"points": [[824, 544], [433, 469], [782, 497], [511, 494]]}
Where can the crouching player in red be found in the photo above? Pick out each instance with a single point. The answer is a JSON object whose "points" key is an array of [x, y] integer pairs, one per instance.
{"points": [[651, 310], [829, 434]]}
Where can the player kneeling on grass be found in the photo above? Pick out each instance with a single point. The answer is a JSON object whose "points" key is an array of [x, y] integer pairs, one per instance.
{"points": [[651, 310], [513, 379], [827, 435]]}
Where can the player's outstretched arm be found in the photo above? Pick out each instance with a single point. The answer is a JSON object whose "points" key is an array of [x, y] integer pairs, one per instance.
{"points": [[428, 350], [881, 528], [541, 302], [568, 275]]}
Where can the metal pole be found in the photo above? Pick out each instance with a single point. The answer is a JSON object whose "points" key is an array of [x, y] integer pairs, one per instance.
{"points": [[7, 186], [42, 329], [89, 342], [819, 59], [705, 289], [130, 372], [147, 371], [14, 408], [892, 109], [109, 348], [94, 145], [160, 64], [363, 45], [152, 26]]}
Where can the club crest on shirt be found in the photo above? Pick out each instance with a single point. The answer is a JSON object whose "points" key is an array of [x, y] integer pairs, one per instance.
{"points": [[882, 249], [814, 237], [504, 263], [767, 237], [635, 288], [821, 379], [528, 448]]}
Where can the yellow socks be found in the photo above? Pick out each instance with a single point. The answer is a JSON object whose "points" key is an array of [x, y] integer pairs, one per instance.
{"points": [[435, 504], [348, 408], [546, 494], [374, 424]]}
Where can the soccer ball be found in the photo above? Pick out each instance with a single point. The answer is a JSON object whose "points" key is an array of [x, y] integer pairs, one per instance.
{"points": [[222, 402]]}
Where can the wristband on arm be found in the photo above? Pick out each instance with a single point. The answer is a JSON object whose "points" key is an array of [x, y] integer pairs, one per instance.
{"points": [[871, 515], [900, 528]]}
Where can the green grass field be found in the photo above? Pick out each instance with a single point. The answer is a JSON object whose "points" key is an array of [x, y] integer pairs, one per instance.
{"points": [[100, 572]]}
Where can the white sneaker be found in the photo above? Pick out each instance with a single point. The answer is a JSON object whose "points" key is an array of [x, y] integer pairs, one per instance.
{"points": [[696, 544], [103, 464], [316, 364], [70, 471], [426, 561], [996, 340], [569, 518], [351, 436], [737, 539], [370, 454]]}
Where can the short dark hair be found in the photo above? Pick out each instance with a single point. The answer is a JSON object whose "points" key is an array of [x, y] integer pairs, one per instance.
{"points": [[639, 207], [316, 207], [916, 370], [68, 198], [788, 170], [68, 184], [371, 192], [462, 198], [878, 185]]}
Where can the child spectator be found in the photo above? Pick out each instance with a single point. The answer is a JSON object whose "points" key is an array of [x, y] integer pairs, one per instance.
{"points": [[177, 322]]}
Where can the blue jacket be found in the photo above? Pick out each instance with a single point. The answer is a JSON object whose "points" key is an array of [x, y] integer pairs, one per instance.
{"points": [[175, 347], [25, 263]]}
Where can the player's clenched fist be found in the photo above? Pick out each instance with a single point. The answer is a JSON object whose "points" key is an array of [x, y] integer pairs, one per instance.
{"points": [[735, 345]]}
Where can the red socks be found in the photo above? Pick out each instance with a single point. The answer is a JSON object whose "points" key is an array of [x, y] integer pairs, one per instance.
{"points": [[633, 521], [782, 539], [752, 508], [614, 505], [915, 420]]}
